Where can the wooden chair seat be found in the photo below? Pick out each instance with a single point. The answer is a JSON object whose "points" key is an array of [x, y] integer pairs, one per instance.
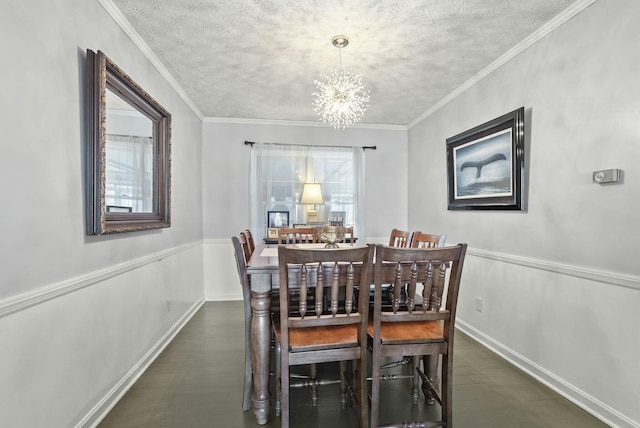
{"points": [[393, 333], [319, 338]]}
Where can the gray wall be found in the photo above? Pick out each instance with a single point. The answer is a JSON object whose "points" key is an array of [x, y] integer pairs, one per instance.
{"points": [[43, 56], [226, 167], [80, 316], [559, 282]]}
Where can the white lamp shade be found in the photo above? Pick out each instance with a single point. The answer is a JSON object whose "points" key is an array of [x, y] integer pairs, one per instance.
{"points": [[311, 194]]}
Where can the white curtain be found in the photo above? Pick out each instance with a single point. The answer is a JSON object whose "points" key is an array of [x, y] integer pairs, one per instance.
{"points": [[129, 172], [278, 173]]}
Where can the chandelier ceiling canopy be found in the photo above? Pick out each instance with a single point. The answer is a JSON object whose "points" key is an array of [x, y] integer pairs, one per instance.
{"points": [[341, 98]]}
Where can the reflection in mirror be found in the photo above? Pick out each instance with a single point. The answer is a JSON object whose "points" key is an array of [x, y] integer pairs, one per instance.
{"points": [[128, 153], [129, 158]]}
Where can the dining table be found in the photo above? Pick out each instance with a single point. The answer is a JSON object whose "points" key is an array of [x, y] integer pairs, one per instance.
{"points": [[264, 275]]}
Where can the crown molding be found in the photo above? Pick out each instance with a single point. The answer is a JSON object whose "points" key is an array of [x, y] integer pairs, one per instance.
{"points": [[119, 18], [546, 29], [550, 26], [147, 52]]}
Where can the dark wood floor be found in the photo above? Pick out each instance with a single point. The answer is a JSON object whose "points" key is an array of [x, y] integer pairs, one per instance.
{"points": [[197, 382]]}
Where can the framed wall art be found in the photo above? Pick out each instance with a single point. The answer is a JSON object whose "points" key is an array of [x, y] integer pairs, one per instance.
{"points": [[485, 165], [272, 233], [277, 218]]}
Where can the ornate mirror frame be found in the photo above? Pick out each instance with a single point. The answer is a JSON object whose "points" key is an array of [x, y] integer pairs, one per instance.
{"points": [[103, 74]]}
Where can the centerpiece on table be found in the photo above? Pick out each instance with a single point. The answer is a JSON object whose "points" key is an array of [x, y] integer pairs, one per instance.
{"points": [[330, 235]]}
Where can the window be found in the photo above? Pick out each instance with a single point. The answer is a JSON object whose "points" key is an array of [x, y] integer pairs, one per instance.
{"points": [[278, 173], [129, 166]]}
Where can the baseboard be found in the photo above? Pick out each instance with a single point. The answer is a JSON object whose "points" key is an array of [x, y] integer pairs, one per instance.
{"points": [[580, 398], [104, 406]]}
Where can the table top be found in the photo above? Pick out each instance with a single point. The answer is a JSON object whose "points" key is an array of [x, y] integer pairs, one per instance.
{"points": [[265, 257]]}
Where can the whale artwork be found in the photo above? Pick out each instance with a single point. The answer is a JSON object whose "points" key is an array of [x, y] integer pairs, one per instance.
{"points": [[479, 164], [482, 167]]}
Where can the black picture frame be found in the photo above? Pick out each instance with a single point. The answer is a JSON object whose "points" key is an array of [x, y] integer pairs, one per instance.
{"points": [[277, 218], [485, 165]]}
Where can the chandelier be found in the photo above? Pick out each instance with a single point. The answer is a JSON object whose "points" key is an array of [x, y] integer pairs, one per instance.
{"points": [[342, 98]]}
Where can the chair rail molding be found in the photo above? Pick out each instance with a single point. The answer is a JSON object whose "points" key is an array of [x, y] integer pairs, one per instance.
{"points": [[626, 281], [27, 300]]}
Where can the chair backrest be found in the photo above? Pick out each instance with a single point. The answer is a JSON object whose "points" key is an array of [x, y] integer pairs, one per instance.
{"points": [[293, 235], [349, 238], [239, 243], [250, 241], [399, 238], [427, 240], [305, 274], [246, 249], [437, 269]]}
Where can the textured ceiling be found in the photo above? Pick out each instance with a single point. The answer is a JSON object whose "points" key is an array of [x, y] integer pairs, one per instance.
{"points": [[258, 59]]}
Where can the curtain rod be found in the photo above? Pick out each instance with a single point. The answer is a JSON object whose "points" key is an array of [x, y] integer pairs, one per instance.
{"points": [[251, 143]]}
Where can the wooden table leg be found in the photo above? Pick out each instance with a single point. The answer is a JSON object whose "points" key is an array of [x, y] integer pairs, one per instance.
{"points": [[260, 347]]}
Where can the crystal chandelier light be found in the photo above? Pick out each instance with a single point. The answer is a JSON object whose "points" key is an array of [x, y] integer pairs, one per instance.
{"points": [[342, 98]]}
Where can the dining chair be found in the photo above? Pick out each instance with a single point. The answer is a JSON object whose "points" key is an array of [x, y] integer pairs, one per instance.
{"points": [[399, 238], [349, 237], [250, 241], [418, 240], [426, 329], [308, 332], [246, 247], [293, 235], [427, 240], [239, 244]]}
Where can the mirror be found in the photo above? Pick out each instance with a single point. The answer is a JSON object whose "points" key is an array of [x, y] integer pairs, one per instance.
{"points": [[128, 153]]}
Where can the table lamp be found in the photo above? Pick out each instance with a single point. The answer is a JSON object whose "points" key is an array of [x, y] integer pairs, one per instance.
{"points": [[312, 194]]}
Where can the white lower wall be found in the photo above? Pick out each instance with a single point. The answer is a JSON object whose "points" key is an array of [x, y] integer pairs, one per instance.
{"points": [[538, 315], [71, 350], [221, 280]]}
